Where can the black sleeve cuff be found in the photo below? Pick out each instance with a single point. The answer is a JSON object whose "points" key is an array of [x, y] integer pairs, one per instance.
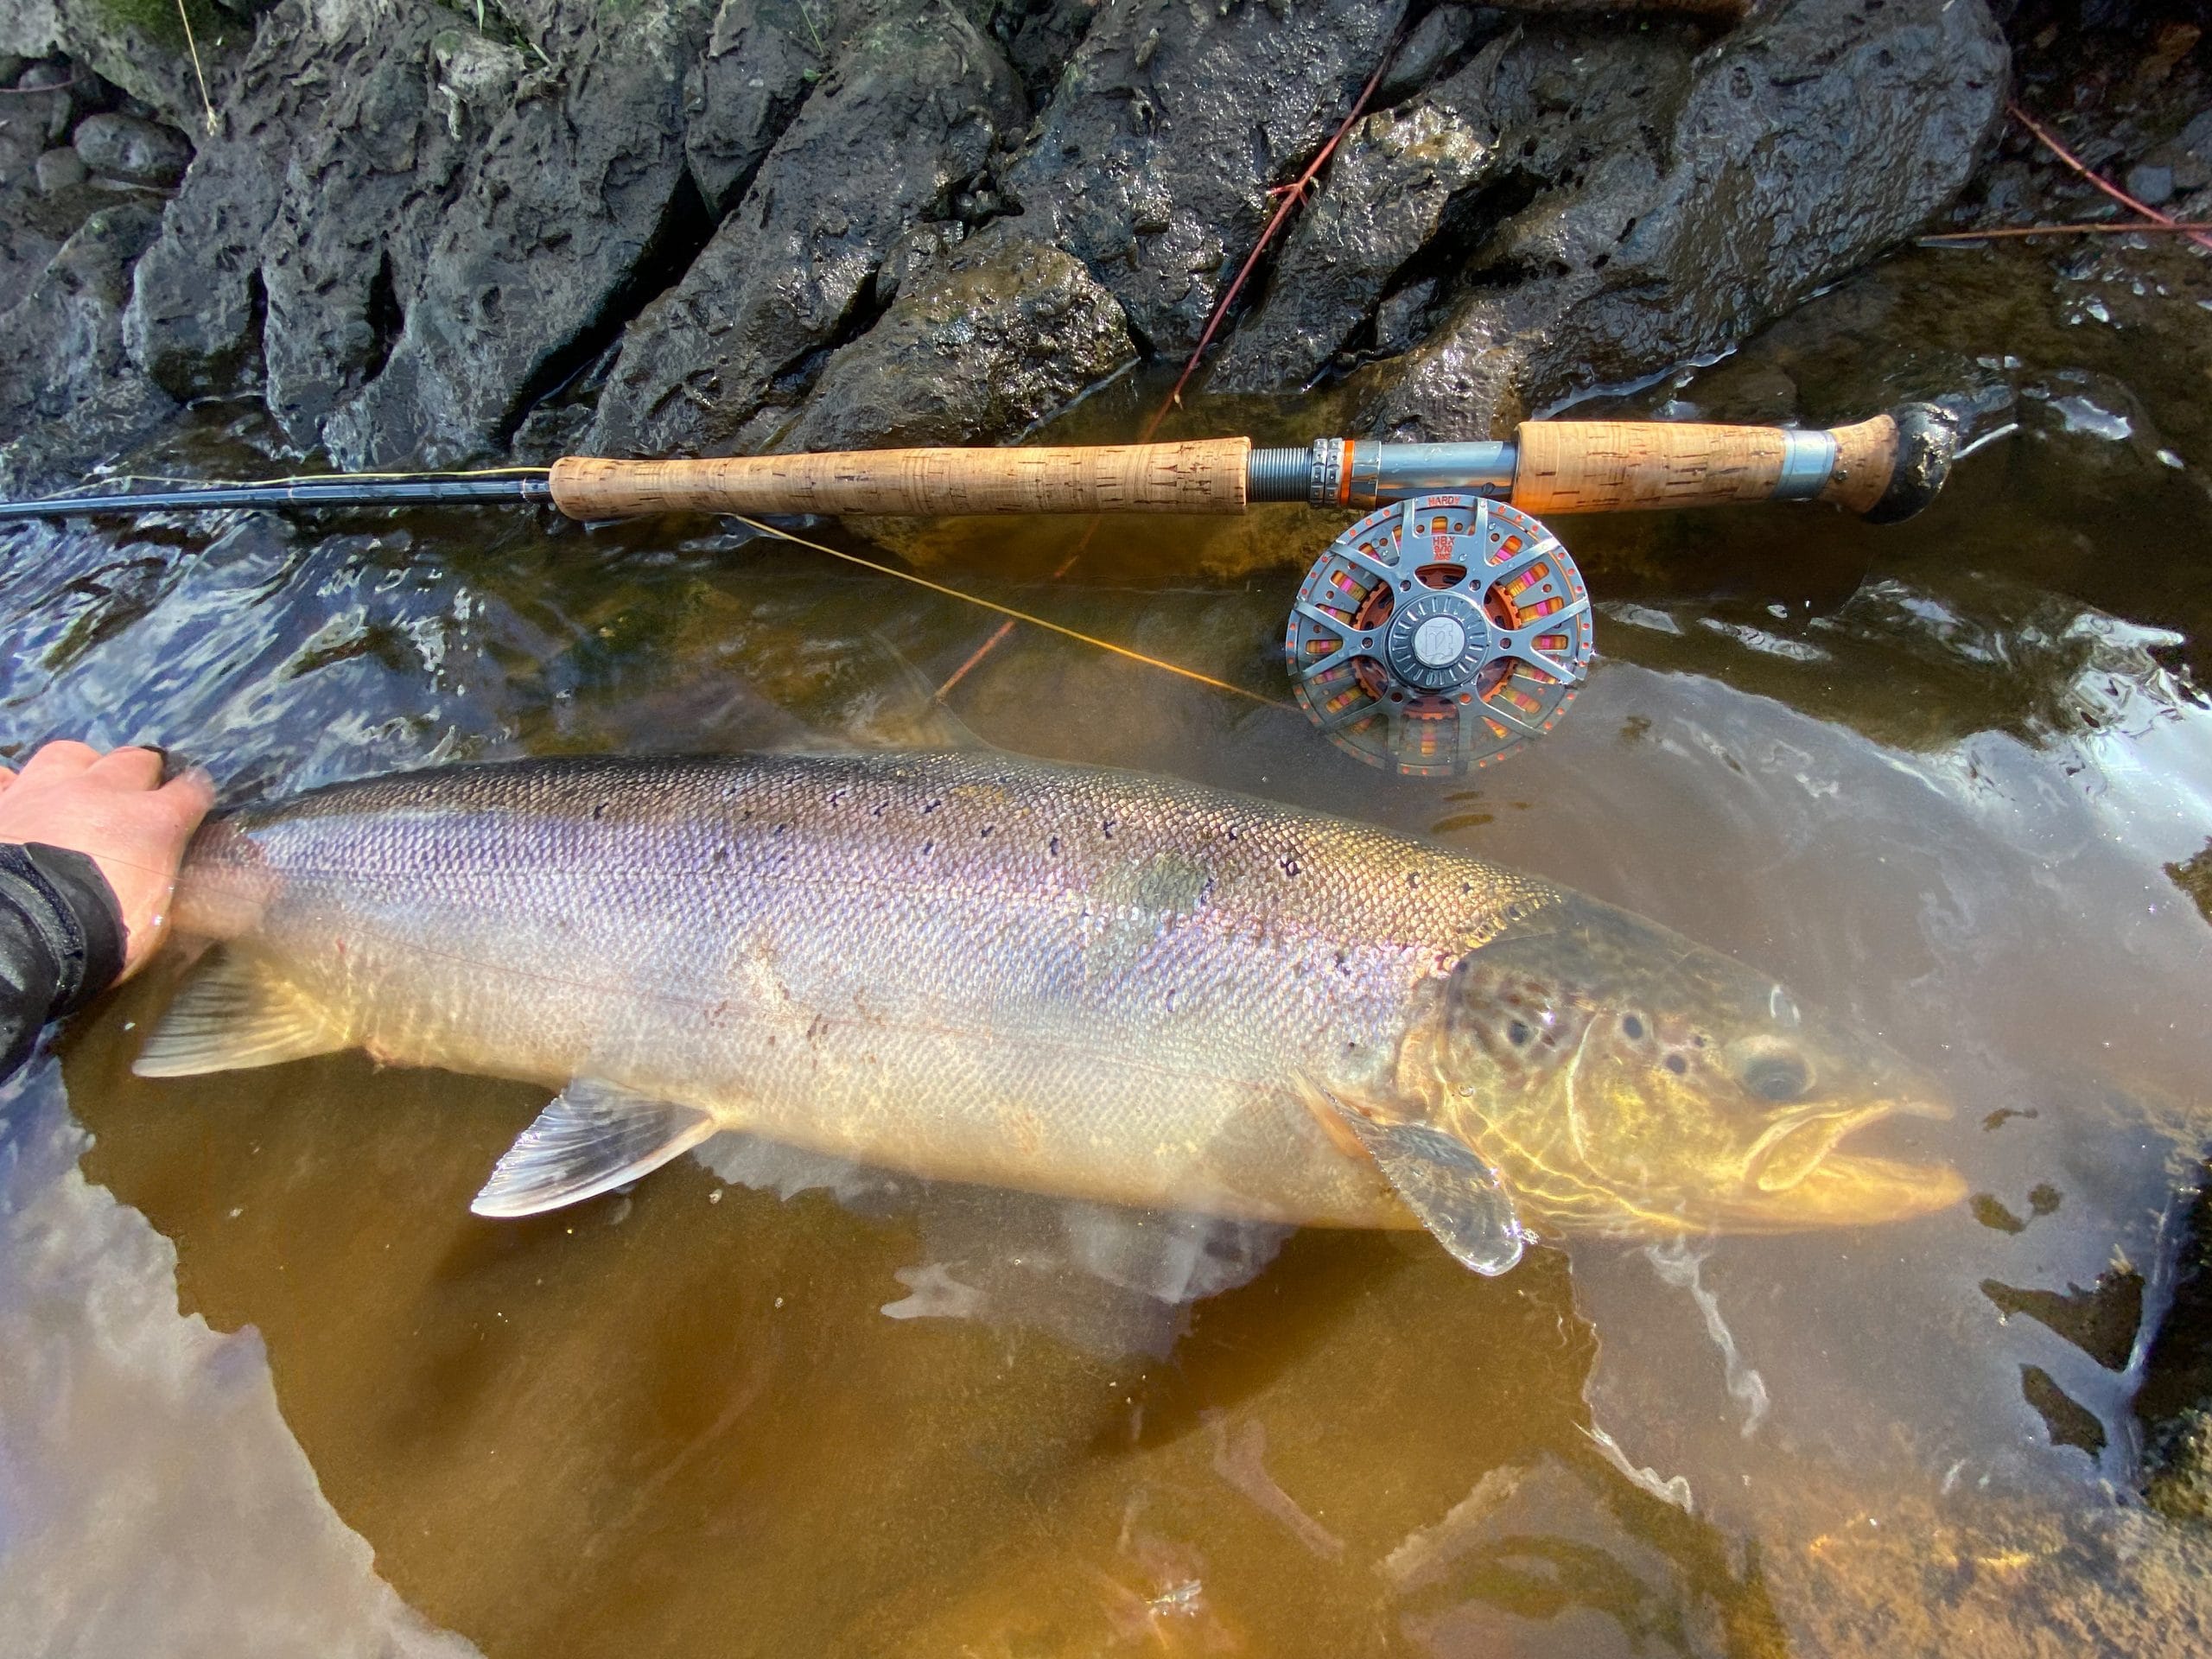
{"points": [[68, 903]]}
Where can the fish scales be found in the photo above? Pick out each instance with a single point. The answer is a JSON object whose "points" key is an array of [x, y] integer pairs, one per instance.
{"points": [[972, 967]]}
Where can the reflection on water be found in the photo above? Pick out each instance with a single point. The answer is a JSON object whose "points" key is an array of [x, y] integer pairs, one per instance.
{"points": [[1950, 779]]}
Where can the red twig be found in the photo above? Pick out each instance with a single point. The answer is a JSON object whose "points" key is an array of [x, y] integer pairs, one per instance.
{"points": [[1288, 197], [2050, 142]]}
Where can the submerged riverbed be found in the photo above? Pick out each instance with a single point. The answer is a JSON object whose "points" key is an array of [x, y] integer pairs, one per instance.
{"points": [[1952, 777]]}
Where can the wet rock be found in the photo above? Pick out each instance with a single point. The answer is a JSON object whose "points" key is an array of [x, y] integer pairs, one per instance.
{"points": [[131, 151], [1394, 181], [67, 393], [1153, 163], [2153, 186], [1042, 35], [138, 46], [57, 170], [907, 118], [758, 63], [986, 342], [913, 251], [330, 166], [1431, 45], [475, 78], [577, 194], [40, 99], [426, 229], [1811, 138]]}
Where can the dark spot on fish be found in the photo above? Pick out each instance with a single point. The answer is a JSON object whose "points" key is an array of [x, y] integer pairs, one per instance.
{"points": [[1172, 994], [1697, 1039], [1412, 879], [928, 847], [2044, 1198], [599, 811], [1994, 1216], [1106, 828], [1632, 1028], [1052, 847], [1996, 1119], [1517, 1033], [837, 797], [983, 833], [1290, 866], [781, 828], [722, 854], [1343, 961], [1676, 1064], [930, 807]]}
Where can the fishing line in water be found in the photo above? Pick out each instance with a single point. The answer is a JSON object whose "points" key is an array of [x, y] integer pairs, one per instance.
{"points": [[1008, 611]]}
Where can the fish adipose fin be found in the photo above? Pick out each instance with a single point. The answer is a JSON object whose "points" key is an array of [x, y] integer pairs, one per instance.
{"points": [[593, 1137], [1454, 1193], [232, 1016]]}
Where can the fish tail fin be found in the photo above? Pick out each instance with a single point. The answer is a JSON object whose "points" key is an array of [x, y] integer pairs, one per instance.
{"points": [[233, 1015], [593, 1137]]}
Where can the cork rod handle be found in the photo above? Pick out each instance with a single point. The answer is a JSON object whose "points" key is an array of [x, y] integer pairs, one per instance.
{"points": [[1205, 476], [1606, 466]]}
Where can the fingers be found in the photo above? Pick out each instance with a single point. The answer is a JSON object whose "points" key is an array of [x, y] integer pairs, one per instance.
{"points": [[190, 794], [61, 758], [128, 768]]}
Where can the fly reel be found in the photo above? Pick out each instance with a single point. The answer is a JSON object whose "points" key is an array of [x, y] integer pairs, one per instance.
{"points": [[1439, 634]]}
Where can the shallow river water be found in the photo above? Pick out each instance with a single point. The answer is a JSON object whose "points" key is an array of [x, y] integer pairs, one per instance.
{"points": [[267, 1386]]}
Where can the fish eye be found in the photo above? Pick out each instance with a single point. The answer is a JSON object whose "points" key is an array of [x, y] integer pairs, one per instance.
{"points": [[1632, 1028], [1777, 1075], [1675, 1063], [1517, 1035]]}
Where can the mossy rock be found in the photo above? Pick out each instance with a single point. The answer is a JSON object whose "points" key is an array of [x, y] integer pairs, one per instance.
{"points": [[141, 46], [2180, 1486]]}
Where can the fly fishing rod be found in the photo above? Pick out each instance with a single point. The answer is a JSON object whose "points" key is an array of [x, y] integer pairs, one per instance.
{"points": [[1441, 631]]}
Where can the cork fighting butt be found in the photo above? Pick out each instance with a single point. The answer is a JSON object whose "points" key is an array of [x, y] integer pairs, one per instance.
{"points": [[1883, 469]]}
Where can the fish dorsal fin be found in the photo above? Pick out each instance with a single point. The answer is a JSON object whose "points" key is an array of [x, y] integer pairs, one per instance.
{"points": [[1454, 1193], [233, 1015], [592, 1137]]}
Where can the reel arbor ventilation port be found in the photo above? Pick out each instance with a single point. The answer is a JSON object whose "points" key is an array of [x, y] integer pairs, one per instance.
{"points": [[1439, 634]]}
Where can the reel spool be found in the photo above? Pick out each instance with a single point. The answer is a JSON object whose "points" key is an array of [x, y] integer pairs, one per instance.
{"points": [[1439, 634]]}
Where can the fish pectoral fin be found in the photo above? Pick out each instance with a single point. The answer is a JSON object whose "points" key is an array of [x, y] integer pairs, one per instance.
{"points": [[232, 1016], [592, 1137], [1454, 1193]]}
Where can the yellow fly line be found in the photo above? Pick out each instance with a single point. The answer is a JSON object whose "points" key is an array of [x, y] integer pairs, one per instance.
{"points": [[1008, 611]]}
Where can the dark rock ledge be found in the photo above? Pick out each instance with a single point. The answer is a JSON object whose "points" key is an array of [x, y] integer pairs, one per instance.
{"points": [[668, 226]]}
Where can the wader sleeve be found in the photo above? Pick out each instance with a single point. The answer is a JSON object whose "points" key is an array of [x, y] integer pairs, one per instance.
{"points": [[61, 940]]}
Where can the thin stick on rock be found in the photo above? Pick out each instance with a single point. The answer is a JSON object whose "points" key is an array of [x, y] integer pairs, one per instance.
{"points": [[2050, 142]]}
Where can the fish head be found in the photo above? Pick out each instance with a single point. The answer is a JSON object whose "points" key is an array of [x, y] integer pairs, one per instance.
{"points": [[1623, 1077]]}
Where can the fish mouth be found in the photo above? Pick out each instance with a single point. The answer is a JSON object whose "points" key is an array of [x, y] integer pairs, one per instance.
{"points": [[1796, 1178]]}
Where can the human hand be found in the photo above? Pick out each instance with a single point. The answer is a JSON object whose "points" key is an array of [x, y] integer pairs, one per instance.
{"points": [[115, 809]]}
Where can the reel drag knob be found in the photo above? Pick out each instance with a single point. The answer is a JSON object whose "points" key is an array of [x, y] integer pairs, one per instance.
{"points": [[1438, 635]]}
